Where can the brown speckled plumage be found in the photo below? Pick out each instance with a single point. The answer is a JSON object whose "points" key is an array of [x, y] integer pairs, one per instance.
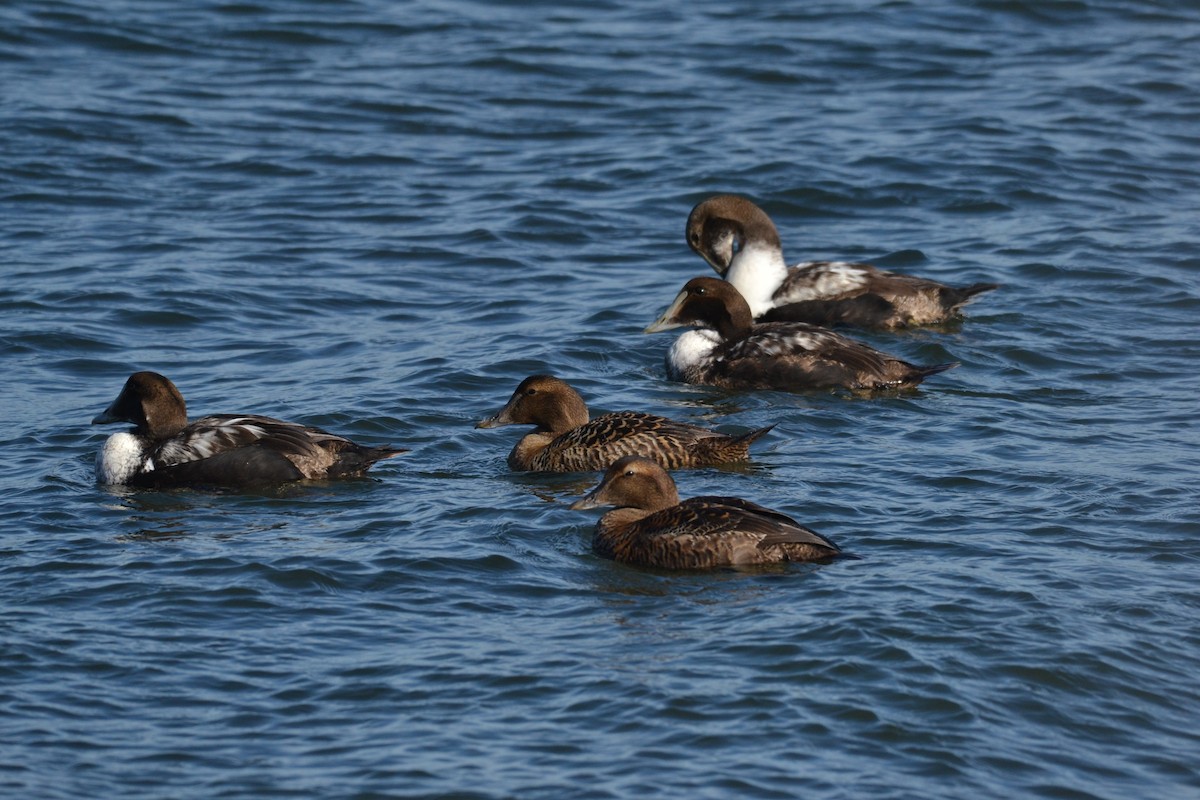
{"points": [[821, 292], [651, 527], [565, 440], [792, 356]]}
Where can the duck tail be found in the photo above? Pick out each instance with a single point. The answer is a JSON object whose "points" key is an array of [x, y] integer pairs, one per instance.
{"points": [[731, 448], [924, 372], [357, 459], [746, 439], [954, 298]]}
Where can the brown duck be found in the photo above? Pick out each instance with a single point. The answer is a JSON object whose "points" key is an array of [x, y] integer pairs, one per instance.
{"points": [[731, 351], [741, 243], [565, 440], [651, 527], [227, 450]]}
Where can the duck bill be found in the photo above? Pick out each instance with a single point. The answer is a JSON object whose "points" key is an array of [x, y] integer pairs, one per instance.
{"points": [[721, 256], [497, 420], [106, 417], [669, 320], [590, 500]]}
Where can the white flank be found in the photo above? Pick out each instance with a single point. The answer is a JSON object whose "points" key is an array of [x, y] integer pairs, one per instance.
{"points": [[120, 459], [757, 271]]}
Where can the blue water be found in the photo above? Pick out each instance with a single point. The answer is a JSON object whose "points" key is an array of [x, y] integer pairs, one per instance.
{"points": [[378, 217]]}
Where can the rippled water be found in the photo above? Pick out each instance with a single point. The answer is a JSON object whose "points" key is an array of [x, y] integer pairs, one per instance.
{"points": [[378, 217]]}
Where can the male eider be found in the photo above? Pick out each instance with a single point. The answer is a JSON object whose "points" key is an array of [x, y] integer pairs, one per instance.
{"points": [[740, 242], [731, 351], [226, 450]]}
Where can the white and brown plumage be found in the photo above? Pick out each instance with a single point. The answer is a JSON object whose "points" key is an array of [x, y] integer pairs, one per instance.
{"points": [[651, 527], [566, 440], [741, 243], [731, 351], [229, 450]]}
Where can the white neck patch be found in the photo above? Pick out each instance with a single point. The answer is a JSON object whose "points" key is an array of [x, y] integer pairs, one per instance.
{"points": [[120, 459], [757, 271]]}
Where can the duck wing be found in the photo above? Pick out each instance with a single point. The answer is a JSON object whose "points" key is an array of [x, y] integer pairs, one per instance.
{"points": [[215, 435], [825, 280], [773, 526], [603, 440], [792, 356]]}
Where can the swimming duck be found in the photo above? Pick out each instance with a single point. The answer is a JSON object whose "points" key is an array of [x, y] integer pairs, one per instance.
{"points": [[651, 527], [565, 440], [731, 351], [230, 450], [741, 243]]}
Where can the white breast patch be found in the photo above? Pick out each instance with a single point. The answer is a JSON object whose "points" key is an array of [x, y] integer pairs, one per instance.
{"points": [[690, 351], [120, 459]]}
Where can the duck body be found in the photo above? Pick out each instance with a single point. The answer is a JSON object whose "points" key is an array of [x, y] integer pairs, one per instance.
{"points": [[226, 450], [733, 352], [652, 527], [741, 243], [566, 440]]}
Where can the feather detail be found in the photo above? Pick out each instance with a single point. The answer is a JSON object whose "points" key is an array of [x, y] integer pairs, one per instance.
{"points": [[566, 440], [651, 527], [742, 244], [219, 450]]}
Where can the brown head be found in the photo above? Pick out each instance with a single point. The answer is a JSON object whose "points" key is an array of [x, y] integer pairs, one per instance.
{"points": [[632, 482], [707, 303], [718, 227], [151, 402], [544, 401]]}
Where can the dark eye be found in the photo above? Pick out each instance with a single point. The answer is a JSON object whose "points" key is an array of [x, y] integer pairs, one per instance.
{"points": [[695, 238], [630, 473], [530, 391], [699, 290]]}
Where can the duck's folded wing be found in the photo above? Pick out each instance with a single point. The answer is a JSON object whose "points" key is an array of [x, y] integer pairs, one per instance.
{"points": [[781, 353], [824, 280], [773, 526], [213, 436]]}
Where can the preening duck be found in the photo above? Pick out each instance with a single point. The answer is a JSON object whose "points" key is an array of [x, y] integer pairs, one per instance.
{"points": [[566, 440], [731, 351], [229, 450], [651, 527], [741, 243]]}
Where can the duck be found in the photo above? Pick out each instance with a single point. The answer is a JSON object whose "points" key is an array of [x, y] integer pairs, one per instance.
{"points": [[652, 527], [742, 244], [566, 439], [731, 351], [164, 450]]}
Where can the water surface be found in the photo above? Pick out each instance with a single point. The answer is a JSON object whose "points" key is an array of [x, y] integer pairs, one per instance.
{"points": [[378, 217]]}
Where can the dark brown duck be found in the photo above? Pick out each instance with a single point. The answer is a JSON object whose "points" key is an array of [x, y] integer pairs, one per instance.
{"points": [[731, 351], [227, 450], [741, 243], [566, 440], [651, 527]]}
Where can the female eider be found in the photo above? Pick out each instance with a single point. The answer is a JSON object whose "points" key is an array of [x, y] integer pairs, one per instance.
{"points": [[740, 242], [651, 527], [731, 351], [566, 441], [228, 450]]}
